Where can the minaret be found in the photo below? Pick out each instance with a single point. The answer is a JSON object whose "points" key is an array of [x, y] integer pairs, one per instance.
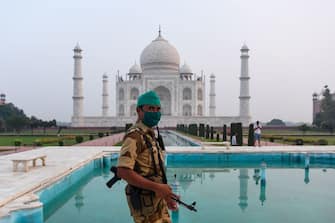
{"points": [[244, 85], [78, 97], [316, 105], [105, 95], [212, 96]]}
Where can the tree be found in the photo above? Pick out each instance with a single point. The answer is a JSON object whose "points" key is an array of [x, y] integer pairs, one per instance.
{"points": [[276, 122], [17, 122], [45, 124], [2, 125], [34, 122], [13, 118], [326, 118], [304, 128], [328, 125]]}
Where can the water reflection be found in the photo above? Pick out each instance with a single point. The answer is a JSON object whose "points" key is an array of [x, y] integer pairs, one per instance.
{"points": [[79, 200], [262, 194], [243, 198], [263, 171], [175, 186], [183, 178], [256, 176], [306, 179]]}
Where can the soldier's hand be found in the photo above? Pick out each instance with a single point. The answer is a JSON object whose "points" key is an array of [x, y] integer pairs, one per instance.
{"points": [[163, 191], [172, 205]]}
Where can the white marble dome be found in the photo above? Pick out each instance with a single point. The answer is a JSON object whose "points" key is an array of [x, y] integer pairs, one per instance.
{"points": [[160, 54], [135, 69], [185, 69]]}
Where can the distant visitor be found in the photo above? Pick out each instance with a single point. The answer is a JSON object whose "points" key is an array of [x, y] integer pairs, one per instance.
{"points": [[258, 132]]}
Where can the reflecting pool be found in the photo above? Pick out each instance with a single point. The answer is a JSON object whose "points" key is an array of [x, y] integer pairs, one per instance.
{"points": [[224, 192]]}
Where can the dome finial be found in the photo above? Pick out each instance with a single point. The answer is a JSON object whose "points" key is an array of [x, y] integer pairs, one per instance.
{"points": [[159, 31]]}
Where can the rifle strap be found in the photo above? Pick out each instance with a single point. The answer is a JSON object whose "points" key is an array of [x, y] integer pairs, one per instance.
{"points": [[160, 161]]}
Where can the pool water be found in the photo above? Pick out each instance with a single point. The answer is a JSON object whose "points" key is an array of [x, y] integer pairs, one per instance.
{"points": [[174, 139], [224, 193]]}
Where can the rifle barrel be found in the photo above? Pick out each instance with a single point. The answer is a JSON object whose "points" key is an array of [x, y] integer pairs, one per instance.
{"points": [[188, 206]]}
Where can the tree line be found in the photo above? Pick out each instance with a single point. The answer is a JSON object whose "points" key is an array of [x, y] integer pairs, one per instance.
{"points": [[326, 118], [14, 119]]}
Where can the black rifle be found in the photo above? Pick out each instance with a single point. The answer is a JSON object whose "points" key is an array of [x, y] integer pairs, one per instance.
{"points": [[188, 206]]}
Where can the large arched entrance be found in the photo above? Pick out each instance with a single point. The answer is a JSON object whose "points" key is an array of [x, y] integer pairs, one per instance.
{"points": [[165, 96]]}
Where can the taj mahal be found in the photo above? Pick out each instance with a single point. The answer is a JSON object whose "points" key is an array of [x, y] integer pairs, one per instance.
{"points": [[182, 92]]}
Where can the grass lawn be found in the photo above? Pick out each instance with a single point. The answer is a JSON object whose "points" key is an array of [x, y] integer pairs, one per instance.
{"points": [[45, 140], [54, 131], [309, 138]]}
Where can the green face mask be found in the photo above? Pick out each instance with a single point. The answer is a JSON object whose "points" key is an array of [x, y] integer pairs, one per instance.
{"points": [[151, 118]]}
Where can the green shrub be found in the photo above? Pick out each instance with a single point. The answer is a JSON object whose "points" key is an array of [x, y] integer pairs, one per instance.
{"points": [[107, 133], [236, 128], [299, 142], [224, 133], [322, 142], [61, 143], [17, 142], [37, 142], [91, 137], [193, 129], [79, 139], [207, 131], [184, 128], [251, 135], [272, 138], [212, 132], [101, 134], [202, 130]]}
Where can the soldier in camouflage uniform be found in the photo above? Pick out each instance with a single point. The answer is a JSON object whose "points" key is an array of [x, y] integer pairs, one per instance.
{"points": [[138, 164]]}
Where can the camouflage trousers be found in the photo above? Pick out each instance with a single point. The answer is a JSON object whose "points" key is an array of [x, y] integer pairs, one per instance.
{"points": [[160, 217]]}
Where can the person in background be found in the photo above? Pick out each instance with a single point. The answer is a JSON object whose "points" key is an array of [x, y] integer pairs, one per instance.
{"points": [[258, 132], [233, 140]]}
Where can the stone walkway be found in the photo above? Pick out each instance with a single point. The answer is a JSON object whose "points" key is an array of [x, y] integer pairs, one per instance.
{"points": [[264, 143], [5, 150]]}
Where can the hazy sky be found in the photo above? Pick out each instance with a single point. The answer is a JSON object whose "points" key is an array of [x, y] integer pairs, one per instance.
{"points": [[292, 50]]}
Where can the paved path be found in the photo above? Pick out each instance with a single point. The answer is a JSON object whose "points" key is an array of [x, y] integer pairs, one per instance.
{"points": [[104, 141], [264, 143], [5, 150]]}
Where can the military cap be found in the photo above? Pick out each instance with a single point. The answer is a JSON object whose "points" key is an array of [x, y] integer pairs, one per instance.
{"points": [[148, 98]]}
